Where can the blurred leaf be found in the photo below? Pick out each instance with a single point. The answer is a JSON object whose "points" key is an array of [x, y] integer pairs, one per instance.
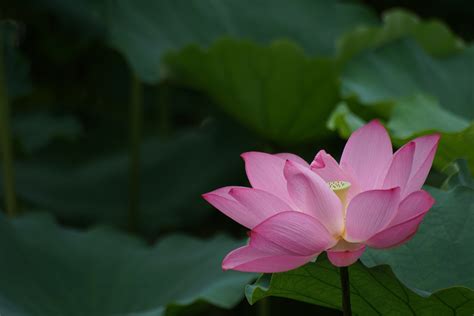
{"points": [[402, 69], [344, 121], [16, 66], [458, 174], [144, 30], [410, 117], [440, 254], [37, 130], [89, 15], [275, 90], [48, 270], [453, 145], [428, 94], [419, 114], [374, 291], [174, 173], [434, 36], [457, 145]]}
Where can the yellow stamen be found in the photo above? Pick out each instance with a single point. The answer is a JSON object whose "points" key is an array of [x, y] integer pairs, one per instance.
{"points": [[340, 188]]}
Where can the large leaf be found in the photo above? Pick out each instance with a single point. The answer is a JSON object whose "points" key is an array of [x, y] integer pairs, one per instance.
{"points": [[276, 90], [47, 270], [434, 36], [402, 69], [440, 255], [174, 173], [144, 30], [458, 173], [38, 129], [374, 291], [409, 119], [416, 84]]}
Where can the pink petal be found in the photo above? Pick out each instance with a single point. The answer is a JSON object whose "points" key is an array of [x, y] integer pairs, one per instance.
{"points": [[225, 203], [369, 212], [400, 168], [293, 233], [265, 172], [397, 234], [418, 202], [292, 157], [328, 169], [250, 259], [423, 159], [368, 153], [260, 204], [247, 206], [283, 242], [405, 224], [345, 258], [313, 196]]}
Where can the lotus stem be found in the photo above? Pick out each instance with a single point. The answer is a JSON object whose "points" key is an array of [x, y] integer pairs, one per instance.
{"points": [[5, 140], [346, 291], [136, 117], [264, 307]]}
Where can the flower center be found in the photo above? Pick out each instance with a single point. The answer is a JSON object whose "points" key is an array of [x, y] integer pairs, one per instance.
{"points": [[340, 188]]}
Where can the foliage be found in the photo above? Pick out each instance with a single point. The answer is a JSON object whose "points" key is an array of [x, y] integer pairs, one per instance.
{"points": [[219, 78], [275, 90], [446, 228], [374, 291], [51, 270]]}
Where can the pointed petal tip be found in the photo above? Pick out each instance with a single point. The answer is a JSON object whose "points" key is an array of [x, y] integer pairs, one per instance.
{"points": [[429, 198], [216, 193], [225, 265], [235, 192], [207, 196], [248, 154], [375, 123], [435, 138], [229, 263], [318, 161], [293, 157], [393, 190], [287, 168], [232, 192], [245, 154]]}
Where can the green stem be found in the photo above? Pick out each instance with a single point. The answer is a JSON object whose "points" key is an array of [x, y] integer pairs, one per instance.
{"points": [[136, 117], [263, 307], [346, 291], [5, 140]]}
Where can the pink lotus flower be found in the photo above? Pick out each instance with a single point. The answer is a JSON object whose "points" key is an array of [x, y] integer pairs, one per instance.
{"points": [[296, 211]]}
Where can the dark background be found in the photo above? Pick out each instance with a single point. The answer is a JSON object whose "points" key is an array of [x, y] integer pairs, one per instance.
{"points": [[75, 75]]}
